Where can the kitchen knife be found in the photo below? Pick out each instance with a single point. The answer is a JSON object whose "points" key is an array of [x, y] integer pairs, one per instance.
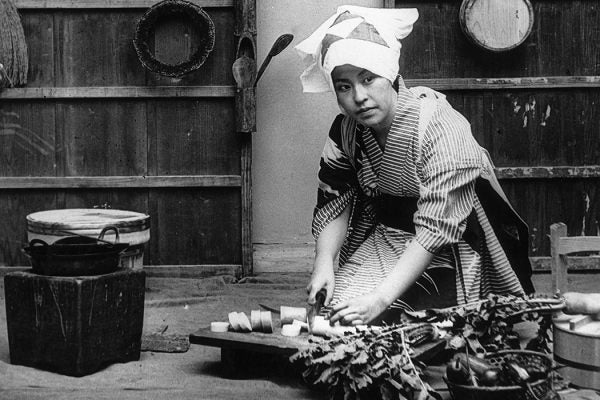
{"points": [[316, 308]]}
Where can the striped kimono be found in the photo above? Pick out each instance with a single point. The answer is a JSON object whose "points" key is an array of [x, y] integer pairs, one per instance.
{"points": [[439, 180]]}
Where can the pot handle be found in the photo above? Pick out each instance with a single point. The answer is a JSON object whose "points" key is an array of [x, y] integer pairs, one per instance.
{"points": [[33, 242], [108, 229]]}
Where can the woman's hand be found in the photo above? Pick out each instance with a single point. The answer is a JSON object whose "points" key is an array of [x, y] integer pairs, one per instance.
{"points": [[322, 278], [359, 310]]}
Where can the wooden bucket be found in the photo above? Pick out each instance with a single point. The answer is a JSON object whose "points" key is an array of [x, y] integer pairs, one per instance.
{"points": [[577, 346], [133, 228], [496, 25]]}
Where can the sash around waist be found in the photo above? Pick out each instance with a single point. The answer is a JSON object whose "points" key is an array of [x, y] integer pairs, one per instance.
{"points": [[398, 213]]}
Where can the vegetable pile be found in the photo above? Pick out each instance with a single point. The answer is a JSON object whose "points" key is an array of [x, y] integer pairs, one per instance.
{"points": [[375, 362]]}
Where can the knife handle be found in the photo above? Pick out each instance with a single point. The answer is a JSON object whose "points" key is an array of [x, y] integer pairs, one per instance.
{"points": [[320, 297]]}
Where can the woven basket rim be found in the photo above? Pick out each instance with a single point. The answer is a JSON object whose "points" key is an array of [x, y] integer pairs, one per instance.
{"points": [[177, 8]]}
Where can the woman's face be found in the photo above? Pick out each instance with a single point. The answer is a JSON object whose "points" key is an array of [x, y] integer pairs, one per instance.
{"points": [[365, 96]]}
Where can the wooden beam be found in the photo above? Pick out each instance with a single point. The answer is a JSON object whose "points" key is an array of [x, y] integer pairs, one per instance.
{"points": [[548, 172], [116, 92], [75, 182], [169, 271], [548, 82], [192, 271], [557, 82], [74, 4], [245, 123]]}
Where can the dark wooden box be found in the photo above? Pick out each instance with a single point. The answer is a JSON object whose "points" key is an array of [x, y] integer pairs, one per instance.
{"points": [[74, 325]]}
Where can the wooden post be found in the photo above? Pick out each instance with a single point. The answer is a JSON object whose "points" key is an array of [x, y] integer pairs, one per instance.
{"points": [[245, 110], [559, 262]]}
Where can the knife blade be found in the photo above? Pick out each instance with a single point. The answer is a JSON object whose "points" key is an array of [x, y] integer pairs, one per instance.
{"points": [[316, 308], [268, 308]]}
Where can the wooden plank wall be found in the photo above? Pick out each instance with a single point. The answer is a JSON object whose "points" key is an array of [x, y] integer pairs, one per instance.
{"points": [[93, 127], [535, 108]]}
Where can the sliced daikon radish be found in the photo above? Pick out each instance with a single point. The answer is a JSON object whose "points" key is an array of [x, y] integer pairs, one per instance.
{"points": [[219, 326], [244, 322], [289, 314], [255, 320], [266, 322], [290, 330], [321, 327], [234, 321], [303, 325]]}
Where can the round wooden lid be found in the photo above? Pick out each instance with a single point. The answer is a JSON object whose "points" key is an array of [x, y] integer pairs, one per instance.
{"points": [[578, 324], [496, 25], [76, 219]]}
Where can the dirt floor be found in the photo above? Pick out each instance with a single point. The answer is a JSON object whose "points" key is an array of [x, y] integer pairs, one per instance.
{"points": [[185, 305]]}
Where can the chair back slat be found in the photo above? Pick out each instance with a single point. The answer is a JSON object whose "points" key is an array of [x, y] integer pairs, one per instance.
{"points": [[575, 244]]}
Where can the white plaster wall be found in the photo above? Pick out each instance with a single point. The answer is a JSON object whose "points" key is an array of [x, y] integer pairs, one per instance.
{"points": [[291, 126]]}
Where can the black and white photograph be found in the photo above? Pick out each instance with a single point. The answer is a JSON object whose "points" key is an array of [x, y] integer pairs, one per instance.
{"points": [[300, 199]]}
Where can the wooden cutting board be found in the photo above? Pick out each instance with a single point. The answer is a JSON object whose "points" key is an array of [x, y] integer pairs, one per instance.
{"points": [[275, 343]]}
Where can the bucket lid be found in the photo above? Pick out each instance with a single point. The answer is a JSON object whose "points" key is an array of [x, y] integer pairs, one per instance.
{"points": [[73, 219]]}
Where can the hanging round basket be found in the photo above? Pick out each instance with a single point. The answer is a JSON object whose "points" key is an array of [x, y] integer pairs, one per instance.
{"points": [[179, 9]]}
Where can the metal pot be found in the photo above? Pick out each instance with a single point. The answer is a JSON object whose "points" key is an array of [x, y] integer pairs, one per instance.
{"points": [[75, 255]]}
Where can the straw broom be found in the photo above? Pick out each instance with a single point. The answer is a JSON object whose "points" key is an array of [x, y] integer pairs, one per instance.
{"points": [[13, 48]]}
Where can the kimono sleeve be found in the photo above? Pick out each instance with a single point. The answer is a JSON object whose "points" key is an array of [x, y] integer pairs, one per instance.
{"points": [[451, 163], [337, 180]]}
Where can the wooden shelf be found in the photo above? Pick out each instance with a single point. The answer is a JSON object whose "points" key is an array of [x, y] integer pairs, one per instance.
{"points": [[77, 182], [548, 82], [548, 172], [49, 4], [556, 82], [92, 92]]}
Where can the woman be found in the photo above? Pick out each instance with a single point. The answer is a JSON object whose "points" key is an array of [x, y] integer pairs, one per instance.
{"points": [[407, 198]]}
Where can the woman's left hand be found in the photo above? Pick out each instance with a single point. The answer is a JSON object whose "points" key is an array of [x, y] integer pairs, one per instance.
{"points": [[359, 310]]}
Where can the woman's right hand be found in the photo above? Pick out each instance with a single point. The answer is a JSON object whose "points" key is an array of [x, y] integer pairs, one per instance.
{"points": [[322, 277]]}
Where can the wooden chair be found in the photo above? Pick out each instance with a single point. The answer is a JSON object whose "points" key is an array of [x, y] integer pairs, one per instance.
{"points": [[561, 246]]}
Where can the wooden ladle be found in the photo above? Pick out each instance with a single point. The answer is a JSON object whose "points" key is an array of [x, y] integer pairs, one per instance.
{"points": [[243, 71], [280, 43]]}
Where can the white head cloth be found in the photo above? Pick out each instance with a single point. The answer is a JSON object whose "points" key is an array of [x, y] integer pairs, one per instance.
{"points": [[367, 38]]}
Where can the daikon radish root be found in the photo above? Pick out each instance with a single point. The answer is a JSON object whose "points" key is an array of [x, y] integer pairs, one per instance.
{"points": [[289, 314], [582, 303], [266, 322], [244, 322], [255, 320], [219, 326], [234, 321], [321, 327], [290, 330], [302, 324]]}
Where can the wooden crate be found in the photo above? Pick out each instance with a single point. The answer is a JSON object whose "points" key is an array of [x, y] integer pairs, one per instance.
{"points": [[74, 325]]}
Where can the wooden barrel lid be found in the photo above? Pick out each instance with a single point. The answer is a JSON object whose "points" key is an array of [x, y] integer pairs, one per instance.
{"points": [[578, 324], [496, 25], [51, 225], [576, 345]]}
